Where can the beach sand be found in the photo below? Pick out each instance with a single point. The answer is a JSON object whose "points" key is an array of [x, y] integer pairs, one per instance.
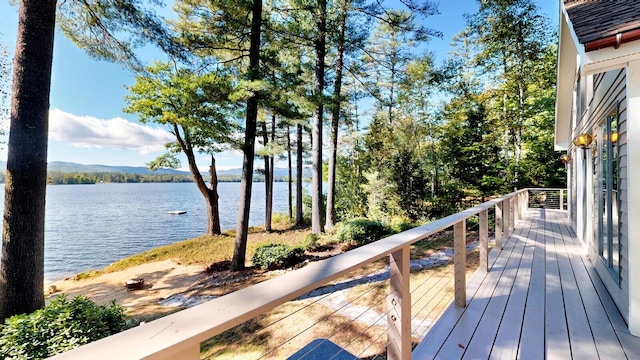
{"points": [[161, 279]]}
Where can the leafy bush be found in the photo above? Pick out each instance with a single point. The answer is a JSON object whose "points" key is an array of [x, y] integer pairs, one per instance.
{"points": [[275, 256], [361, 231], [398, 224], [60, 326], [307, 202], [282, 220], [310, 241], [473, 222]]}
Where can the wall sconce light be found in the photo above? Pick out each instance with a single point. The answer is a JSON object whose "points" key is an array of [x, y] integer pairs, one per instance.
{"points": [[583, 140], [565, 158], [614, 137]]}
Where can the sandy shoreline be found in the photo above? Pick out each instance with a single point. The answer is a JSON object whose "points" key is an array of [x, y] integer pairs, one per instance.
{"points": [[161, 279]]}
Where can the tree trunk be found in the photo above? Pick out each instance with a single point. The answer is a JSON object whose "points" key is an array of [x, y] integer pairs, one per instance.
{"points": [[392, 87], [267, 182], [242, 228], [516, 172], [316, 144], [335, 120], [22, 264], [434, 171], [505, 140], [290, 172], [210, 194], [272, 165], [299, 155], [213, 210]]}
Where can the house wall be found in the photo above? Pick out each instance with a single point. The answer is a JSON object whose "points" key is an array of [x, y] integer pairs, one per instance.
{"points": [[608, 91]]}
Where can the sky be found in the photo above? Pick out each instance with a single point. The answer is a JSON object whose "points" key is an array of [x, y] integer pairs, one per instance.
{"points": [[86, 121]]}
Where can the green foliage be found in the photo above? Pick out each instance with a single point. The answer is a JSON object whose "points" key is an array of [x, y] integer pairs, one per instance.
{"points": [[350, 200], [167, 160], [540, 166], [472, 223], [60, 326], [510, 38], [382, 197], [310, 241], [361, 231], [399, 224], [112, 30], [402, 178], [195, 105], [276, 256], [471, 146], [306, 204], [281, 220]]}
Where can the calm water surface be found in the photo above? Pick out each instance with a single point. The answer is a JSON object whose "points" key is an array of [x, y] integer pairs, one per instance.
{"points": [[91, 226]]}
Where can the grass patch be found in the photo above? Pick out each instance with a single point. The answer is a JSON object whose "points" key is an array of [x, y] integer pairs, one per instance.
{"points": [[206, 250]]}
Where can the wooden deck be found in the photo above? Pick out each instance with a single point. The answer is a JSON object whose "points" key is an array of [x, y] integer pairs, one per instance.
{"points": [[540, 299]]}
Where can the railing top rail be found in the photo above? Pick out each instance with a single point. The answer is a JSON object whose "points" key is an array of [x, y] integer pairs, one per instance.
{"points": [[179, 331], [546, 189]]}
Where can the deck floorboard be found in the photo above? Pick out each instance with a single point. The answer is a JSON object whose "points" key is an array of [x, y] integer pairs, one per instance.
{"points": [[540, 299]]}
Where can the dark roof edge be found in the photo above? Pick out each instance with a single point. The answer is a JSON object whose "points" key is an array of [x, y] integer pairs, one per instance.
{"points": [[613, 40]]}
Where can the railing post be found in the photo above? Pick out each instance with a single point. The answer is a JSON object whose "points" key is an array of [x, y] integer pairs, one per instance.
{"points": [[399, 305], [507, 219], [460, 262], [521, 202], [561, 199], [193, 353], [499, 224], [484, 240], [519, 206], [514, 209]]}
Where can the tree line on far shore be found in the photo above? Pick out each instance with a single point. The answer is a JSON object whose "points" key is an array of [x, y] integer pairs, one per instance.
{"points": [[69, 178]]}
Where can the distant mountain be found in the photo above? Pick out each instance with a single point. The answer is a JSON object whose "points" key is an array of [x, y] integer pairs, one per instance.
{"points": [[140, 170], [69, 167]]}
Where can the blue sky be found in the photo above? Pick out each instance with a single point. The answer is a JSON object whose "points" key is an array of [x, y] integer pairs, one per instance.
{"points": [[87, 125]]}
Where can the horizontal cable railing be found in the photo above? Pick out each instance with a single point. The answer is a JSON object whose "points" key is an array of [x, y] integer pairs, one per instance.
{"points": [[548, 199], [391, 306]]}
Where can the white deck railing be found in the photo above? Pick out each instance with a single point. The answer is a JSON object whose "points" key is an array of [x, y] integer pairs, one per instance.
{"points": [[178, 336]]}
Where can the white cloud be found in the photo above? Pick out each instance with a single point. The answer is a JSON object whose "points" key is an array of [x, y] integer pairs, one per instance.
{"points": [[116, 133]]}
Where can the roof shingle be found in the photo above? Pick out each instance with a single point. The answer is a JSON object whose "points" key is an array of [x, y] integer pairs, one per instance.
{"points": [[597, 19]]}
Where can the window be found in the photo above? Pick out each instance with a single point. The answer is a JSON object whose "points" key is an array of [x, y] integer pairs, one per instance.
{"points": [[607, 200]]}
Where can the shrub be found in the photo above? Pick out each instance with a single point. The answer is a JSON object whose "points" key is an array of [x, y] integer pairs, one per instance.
{"points": [[60, 326], [398, 224], [473, 222], [310, 241], [275, 256], [281, 220], [361, 231]]}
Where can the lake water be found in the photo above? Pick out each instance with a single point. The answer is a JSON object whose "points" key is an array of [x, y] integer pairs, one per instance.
{"points": [[91, 226]]}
